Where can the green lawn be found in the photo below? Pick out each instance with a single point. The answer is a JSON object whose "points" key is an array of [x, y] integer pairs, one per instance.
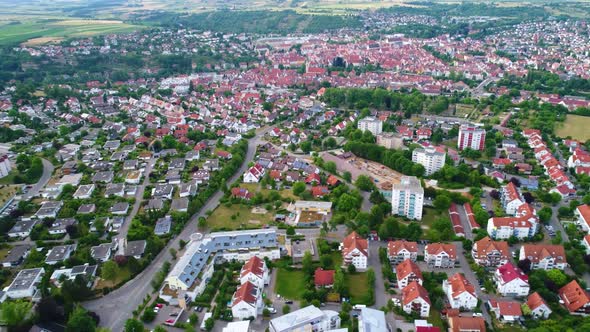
{"points": [[429, 215], [221, 218], [435, 319], [9, 179], [357, 286], [290, 284], [122, 275]]}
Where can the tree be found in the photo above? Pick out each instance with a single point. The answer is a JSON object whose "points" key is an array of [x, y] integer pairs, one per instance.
{"points": [[298, 188], [265, 312], [351, 268], [133, 325], [326, 262], [80, 321], [330, 167], [290, 230], [338, 286], [307, 264], [346, 202], [109, 270], [558, 277], [209, 323], [525, 265], [364, 183], [148, 315], [286, 309], [347, 176], [14, 313], [442, 202], [545, 214], [306, 146]]}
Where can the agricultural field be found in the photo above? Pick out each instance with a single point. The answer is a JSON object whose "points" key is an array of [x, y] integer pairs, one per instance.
{"points": [[575, 126], [46, 31]]}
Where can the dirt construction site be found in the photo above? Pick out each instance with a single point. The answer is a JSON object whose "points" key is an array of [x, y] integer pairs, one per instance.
{"points": [[383, 176]]}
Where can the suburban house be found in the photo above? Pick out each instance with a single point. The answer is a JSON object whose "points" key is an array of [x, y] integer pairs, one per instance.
{"points": [[323, 278], [511, 281], [506, 311], [25, 283], [466, 324], [544, 256], [523, 225], [441, 255], [16, 255], [575, 298], [59, 253], [415, 299], [582, 213], [255, 271], [487, 252], [247, 301], [400, 250], [511, 198], [355, 251], [538, 306], [101, 252], [310, 318], [460, 292], [406, 272], [254, 174]]}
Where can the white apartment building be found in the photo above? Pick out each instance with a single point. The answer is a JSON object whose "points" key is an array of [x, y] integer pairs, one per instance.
{"points": [[309, 318], [407, 198], [431, 158], [372, 124]]}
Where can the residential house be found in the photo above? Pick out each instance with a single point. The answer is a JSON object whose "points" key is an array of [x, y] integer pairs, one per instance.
{"points": [[59, 253], [487, 252], [323, 278], [247, 301], [415, 299], [16, 255], [101, 252], [441, 255], [355, 251], [544, 256], [25, 283], [506, 311], [460, 292], [400, 250], [255, 271], [466, 324], [511, 281], [575, 298], [135, 248], [254, 174], [407, 272], [538, 306]]}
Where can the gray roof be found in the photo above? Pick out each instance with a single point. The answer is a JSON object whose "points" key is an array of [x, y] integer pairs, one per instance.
{"points": [[59, 253], [163, 226], [135, 248], [100, 250], [373, 320], [23, 226], [179, 204], [25, 279], [120, 207], [16, 254], [86, 208]]}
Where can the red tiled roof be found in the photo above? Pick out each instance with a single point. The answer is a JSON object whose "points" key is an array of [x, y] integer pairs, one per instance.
{"points": [[534, 301], [509, 272], [414, 291], [354, 241], [255, 266], [573, 296], [324, 277], [245, 292]]}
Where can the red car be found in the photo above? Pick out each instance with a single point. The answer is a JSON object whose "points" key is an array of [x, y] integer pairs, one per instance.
{"points": [[169, 321], [159, 305]]}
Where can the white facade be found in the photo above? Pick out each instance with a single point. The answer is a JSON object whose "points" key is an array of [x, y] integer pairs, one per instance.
{"points": [[422, 304], [356, 258], [460, 293], [308, 319], [25, 283], [247, 301], [430, 158], [407, 198], [4, 166], [372, 124]]}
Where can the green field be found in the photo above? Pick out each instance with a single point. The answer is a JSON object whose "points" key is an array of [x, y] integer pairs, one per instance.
{"points": [[40, 32], [575, 126], [290, 284], [237, 216], [357, 286]]}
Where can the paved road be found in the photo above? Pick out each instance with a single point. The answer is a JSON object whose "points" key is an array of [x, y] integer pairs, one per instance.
{"points": [[138, 200], [47, 172], [472, 278], [116, 307]]}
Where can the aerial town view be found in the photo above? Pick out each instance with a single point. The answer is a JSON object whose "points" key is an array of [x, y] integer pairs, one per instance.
{"points": [[294, 166]]}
